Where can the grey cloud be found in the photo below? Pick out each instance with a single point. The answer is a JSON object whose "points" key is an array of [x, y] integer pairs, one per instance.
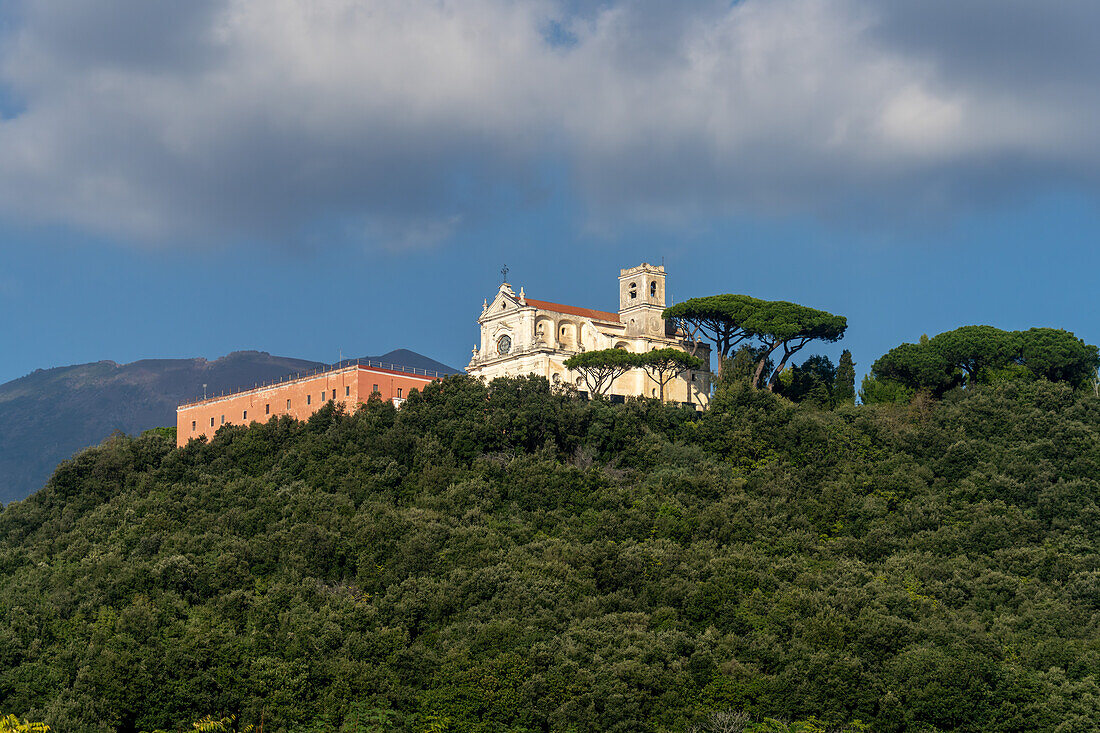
{"points": [[1014, 44], [852, 109], [144, 36], [401, 119]]}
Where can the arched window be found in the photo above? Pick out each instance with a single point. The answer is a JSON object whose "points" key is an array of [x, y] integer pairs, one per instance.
{"points": [[653, 289], [633, 290]]}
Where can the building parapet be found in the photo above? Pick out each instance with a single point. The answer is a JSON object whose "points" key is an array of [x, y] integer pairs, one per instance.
{"points": [[346, 365]]}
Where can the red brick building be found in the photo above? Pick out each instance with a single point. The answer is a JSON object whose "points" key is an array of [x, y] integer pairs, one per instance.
{"points": [[299, 397]]}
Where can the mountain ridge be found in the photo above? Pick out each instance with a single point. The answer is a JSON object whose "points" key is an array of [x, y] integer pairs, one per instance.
{"points": [[48, 414]]}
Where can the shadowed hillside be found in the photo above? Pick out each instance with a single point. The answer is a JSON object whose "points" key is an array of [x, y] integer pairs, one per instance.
{"points": [[49, 414], [506, 558]]}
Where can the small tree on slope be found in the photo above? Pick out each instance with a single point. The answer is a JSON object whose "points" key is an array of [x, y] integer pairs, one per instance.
{"points": [[600, 369]]}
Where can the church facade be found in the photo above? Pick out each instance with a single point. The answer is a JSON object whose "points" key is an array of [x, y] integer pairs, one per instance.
{"points": [[520, 336]]}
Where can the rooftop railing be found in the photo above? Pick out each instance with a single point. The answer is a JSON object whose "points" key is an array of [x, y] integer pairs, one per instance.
{"points": [[297, 376]]}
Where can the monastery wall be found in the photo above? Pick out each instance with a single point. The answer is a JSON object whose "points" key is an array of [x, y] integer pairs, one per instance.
{"points": [[298, 398]]}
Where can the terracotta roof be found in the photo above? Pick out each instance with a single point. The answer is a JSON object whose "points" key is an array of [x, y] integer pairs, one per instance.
{"points": [[574, 311]]}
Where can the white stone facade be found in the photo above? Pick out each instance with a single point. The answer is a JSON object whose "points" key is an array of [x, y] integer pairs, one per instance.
{"points": [[522, 336]]}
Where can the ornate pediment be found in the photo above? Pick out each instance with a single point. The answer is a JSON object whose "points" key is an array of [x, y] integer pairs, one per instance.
{"points": [[504, 301]]}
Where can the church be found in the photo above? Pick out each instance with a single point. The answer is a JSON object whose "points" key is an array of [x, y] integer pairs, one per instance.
{"points": [[521, 335]]}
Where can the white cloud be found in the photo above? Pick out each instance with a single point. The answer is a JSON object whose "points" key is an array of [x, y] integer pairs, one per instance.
{"points": [[223, 119]]}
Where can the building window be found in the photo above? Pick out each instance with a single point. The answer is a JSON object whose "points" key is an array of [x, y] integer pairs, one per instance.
{"points": [[333, 394], [398, 393], [323, 396], [375, 389], [653, 289], [309, 400], [223, 419], [633, 290], [267, 409], [347, 391], [288, 404], [211, 422], [193, 426], [244, 415]]}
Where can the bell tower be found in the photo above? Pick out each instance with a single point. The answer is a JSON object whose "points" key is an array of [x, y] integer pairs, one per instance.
{"points": [[642, 300]]}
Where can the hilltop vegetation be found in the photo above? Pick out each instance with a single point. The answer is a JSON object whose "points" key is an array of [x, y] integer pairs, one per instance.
{"points": [[509, 559], [50, 414], [980, 355]]}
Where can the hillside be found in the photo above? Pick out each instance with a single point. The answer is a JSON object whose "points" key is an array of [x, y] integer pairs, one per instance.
{"points": [[48, 415], [506, 559]]}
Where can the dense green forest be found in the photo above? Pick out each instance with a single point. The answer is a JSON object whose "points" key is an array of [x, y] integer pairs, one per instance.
{"points": [[506, 558]]}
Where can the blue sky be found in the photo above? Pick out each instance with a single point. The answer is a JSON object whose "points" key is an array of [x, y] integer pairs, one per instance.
{"points": [[76, 300], [191, 179]]}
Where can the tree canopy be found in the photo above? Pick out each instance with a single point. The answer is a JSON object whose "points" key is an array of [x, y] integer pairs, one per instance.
{"points": [[975, 349], [718, 318], [1058, 356], [505, 557], [977, 354], [844, 391], [813, 381], [12, 724], [666, 364], [916, 366], [602, 367], [728, 320], [779, 324]]}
